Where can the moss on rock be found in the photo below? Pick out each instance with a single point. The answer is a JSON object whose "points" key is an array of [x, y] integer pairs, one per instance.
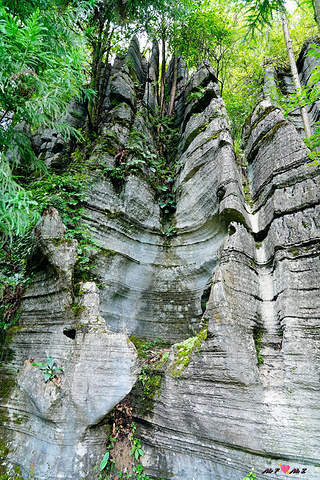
{"points": [[183, 352]]}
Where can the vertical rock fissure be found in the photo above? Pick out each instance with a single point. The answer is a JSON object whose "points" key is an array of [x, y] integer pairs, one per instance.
{"points": [[271, 365]]}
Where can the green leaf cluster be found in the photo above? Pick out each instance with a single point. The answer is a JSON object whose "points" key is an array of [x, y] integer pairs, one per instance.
{"points": [[42, 66], [18, 209], [183, 352], [250, 476], [49, 369], [136, 450], [104, 461]]}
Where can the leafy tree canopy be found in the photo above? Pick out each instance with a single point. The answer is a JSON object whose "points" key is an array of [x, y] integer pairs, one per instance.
{"points": [[42, 66]]}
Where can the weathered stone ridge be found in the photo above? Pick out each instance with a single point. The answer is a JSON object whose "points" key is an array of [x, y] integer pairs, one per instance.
{"points": [[245, 276], [57, 429], [151, 288], [249, 399]]}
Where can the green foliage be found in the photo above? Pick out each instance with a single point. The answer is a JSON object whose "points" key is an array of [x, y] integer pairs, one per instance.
{"points": [[147, 387], [250, 476], [154, 355], [17, 207], [139, 473], [77, 309], [104, 461], [169, 232], [166, 135], [16, 475], [8, 305], [257, 336], [146, 346], [210, 32], [49, 368], [260, 13], [155, 164], [183, 352], [162, 19], [67, 193], [109, 466], [13, 279], [310, 94], [136, 450], [41, 69], [13, 260], [197, 95], [244, 78], [165, 357]]}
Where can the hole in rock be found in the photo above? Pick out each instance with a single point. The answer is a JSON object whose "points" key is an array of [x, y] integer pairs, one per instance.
{"points": [[57, 148], [231, 230], [260, 236], [224, 143], [221, 193], [70, 333]]}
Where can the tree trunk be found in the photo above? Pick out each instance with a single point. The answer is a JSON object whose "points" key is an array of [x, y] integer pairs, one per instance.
{"points": [[294, 71], [316, 7], [174, 85], [163, 72]]}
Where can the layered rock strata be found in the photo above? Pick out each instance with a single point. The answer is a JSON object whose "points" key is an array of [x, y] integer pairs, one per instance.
{"points": [[244, 276], [55, 429], [151, 287], [249, 397]]}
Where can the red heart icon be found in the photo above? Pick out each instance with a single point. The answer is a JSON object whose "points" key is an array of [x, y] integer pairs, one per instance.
{"points": [[285, 468]]}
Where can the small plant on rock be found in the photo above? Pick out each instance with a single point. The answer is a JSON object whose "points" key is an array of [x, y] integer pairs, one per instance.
{"points": [[136, 449], [104, 461], [50, 370], [250, 476]]}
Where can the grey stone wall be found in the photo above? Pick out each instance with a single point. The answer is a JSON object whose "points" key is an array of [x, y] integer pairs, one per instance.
{"points": [[56, 429], [227, 412], [249, 395]]}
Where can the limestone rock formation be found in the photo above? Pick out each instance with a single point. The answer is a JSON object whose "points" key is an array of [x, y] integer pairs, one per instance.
{"points": [[249, 399], [232, 284], [52, 146], [55, 424]]}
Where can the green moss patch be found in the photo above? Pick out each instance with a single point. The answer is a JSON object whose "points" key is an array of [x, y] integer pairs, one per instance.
{"points": [[183, 352], [154, 356], [149, 348], [57, 242], [78, 309], [6, 385], [145, 390], [257, 337]]}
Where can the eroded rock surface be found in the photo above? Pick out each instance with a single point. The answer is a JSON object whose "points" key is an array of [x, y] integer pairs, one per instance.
{"points": [[57, 428], [151, 286], [249, 398], [52, 146], [244, 276]]}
